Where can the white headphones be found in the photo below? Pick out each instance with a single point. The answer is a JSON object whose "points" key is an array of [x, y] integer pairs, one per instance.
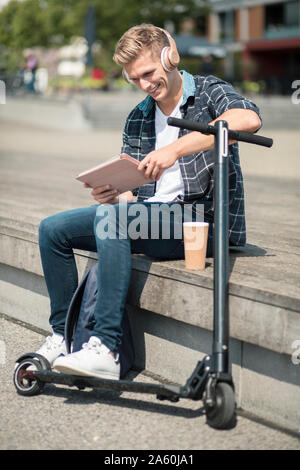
{"points": [[169, 57]]}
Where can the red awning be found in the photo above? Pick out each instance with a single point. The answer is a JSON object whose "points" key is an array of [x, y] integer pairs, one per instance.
{"points": [[276, 44]]}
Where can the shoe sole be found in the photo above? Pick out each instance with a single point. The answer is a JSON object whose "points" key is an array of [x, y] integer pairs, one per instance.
{"points": [[83, 373]]}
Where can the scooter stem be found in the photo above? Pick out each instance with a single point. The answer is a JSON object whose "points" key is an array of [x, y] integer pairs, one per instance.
{"points": [[220, 361]]}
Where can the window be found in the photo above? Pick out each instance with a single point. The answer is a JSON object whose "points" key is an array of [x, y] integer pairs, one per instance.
{"points": [[279, 15], [226, 22], [292, 13], [274, 16]]}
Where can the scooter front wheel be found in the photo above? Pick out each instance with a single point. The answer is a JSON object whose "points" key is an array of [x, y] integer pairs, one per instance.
{"points": [[220, 414]]}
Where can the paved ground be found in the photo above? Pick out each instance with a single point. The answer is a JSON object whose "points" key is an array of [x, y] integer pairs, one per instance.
{"points": [[64, 418]]}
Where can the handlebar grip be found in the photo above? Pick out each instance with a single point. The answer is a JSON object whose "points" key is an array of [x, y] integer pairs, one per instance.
{"points": [[191, 125], [250, 138], [206, 129]]}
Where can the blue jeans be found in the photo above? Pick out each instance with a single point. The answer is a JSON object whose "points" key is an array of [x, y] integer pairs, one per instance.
{"points": [[114, 232]]}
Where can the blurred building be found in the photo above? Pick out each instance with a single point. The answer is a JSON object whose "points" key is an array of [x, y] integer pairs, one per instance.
{"points": [[262, 35]]}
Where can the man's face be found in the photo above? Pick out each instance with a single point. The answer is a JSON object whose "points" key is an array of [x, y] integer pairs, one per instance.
{"points": [[149, 75]]}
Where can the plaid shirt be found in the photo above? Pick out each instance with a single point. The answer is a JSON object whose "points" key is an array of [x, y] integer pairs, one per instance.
{"points": [[204, 99]]}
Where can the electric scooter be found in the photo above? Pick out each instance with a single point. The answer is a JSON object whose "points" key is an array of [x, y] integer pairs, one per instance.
{"points": [[211, 380]]}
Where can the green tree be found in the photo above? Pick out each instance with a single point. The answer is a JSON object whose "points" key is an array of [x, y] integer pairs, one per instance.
{"points": [[160, 11], [64, 19], [28, 27], [6, 19], [30, 23]]}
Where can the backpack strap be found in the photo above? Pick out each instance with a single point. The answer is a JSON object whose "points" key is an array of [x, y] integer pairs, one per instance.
{"points": [[73, 312]]}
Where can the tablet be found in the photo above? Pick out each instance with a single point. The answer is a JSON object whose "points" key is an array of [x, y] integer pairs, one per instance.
{"points": [[120, 172]]}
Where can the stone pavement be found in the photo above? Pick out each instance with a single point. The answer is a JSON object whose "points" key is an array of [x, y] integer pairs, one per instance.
{"points": [[63, 418]]}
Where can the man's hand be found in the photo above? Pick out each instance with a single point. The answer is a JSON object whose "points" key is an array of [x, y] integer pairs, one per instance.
{"points": [[104, 194], [108, 195], [156, 162]]}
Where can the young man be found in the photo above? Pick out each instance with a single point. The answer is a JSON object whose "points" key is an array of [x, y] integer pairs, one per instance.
{"points": [[181, 164]]}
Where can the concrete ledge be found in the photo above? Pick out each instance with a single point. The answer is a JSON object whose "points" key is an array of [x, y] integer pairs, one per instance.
{"points": [[171, 312], [257, 315], [47, 113], [109, 110]]}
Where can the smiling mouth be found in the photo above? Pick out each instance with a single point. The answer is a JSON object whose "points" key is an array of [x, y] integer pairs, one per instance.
{"points": [[154, 89]]}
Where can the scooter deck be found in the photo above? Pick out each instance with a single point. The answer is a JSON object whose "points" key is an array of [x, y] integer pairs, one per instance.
{"points": [[193, 387], [164, 391]]}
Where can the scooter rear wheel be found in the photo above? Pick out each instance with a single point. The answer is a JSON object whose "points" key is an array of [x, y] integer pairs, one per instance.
{"points": [[24, 380], [221, 414]]}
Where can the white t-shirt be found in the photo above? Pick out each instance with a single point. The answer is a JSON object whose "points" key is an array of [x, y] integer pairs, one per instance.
{"points": [[170, 184]]}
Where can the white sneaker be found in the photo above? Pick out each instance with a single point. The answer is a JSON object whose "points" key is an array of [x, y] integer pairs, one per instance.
{"points": [[93, 360], [53, 347]]}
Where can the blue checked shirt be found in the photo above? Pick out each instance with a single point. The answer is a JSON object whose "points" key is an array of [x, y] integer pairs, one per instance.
{"points": [[204, 99]]}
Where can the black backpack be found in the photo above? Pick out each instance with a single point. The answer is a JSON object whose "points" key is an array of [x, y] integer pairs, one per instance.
{"points": [[80, 321]]}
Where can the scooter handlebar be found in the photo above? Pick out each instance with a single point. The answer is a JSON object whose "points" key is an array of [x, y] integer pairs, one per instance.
{"points": [[206, 129]]}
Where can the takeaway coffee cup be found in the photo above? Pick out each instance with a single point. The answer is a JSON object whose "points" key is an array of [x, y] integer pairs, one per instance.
{"points": [[195, 244]]}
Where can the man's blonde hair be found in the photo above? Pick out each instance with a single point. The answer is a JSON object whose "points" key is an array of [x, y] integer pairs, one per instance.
{"points": [[136, 39]]}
